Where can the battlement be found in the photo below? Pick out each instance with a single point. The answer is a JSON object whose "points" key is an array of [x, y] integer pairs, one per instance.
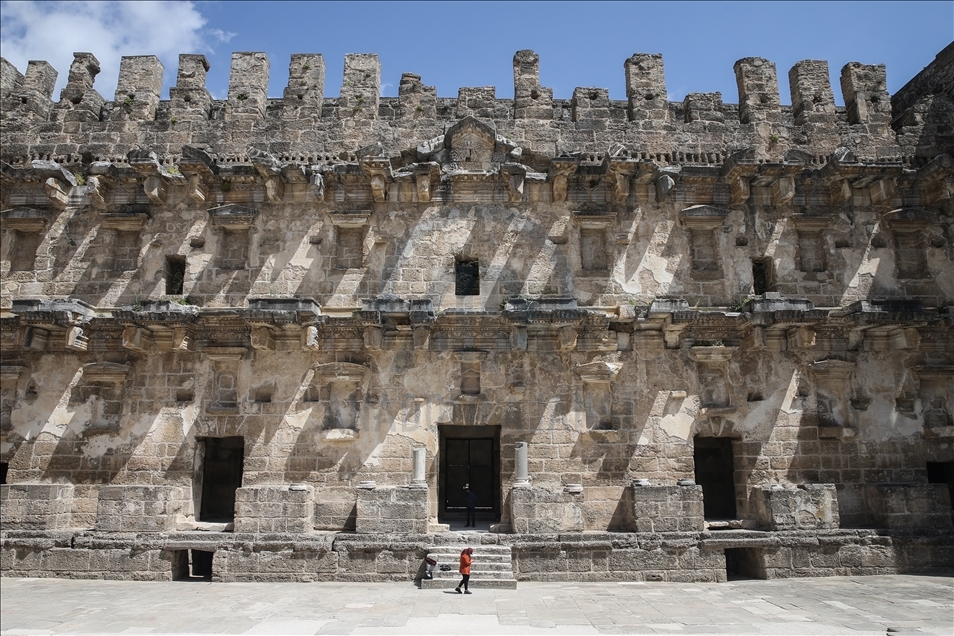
{"points": [[37, 126]]}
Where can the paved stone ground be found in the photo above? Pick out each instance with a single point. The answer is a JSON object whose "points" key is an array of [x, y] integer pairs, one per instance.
{"points": [[842, 605]]}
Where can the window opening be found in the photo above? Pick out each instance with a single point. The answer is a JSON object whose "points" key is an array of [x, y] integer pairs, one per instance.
{"points": [[175, 275], [467, 278]]}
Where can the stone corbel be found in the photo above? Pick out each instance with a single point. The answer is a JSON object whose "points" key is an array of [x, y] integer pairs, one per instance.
{"points": [[737, 171], [599, 372], [137, 339], [232, 216], [57, 192], [155, 177], [881, 190], [373, 338], [311, 338], [514, 177], [936, 179], [76, 339], [198, 167], [426, 178], [619, 173], [97, 191], [316, 184], [378, 170], [567, 338], [665, 187], [561, 169], [783, 190], [262, 338], [270, 169]]}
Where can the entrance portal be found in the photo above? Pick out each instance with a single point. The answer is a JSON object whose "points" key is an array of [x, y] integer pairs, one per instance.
{"points": [[221, 477], [715, 472], [469, 458]]}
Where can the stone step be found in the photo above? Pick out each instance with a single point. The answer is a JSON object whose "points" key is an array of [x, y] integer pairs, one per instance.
{"points": [[478, 549], [492, 566], [449, 584]]}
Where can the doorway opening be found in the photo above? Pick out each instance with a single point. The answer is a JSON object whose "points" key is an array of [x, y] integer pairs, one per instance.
{"points": [[942, 473], [221, 477], [744, 563], [469, 458], [715, 472], [192, 565]]}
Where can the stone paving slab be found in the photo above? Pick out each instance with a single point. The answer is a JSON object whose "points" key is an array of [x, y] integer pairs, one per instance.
{"points": [[841, 605]]}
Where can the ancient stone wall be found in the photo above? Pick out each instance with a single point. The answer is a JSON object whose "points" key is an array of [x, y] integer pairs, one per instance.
{"points": [[295, 306]]}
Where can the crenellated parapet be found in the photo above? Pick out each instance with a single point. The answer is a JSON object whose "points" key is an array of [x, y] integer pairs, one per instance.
{"points": [[304, 123]]}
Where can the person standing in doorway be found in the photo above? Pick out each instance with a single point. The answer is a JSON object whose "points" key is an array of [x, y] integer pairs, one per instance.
{"points": [[465, 560], [470, 499]]}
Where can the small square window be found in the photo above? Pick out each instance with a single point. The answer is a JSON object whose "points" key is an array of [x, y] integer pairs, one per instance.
{"points": [[468, 278]]}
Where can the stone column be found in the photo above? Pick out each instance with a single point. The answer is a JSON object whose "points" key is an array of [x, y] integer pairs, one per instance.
{"points": [[418, 480], [521, 478]]}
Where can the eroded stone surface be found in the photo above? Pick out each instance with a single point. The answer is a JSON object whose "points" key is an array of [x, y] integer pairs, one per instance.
{"points": [[335, 285]]}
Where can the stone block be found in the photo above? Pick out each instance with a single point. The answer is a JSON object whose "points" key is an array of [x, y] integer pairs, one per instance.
{"points": [[865, 90], [703, 107], [667, 509], [248, 85], [908, 506], [274, 508], [812, 99], [304, 94], [189, 98], [539, 509], [811, 506], [125, 508], [530, 100], [361, 87], [758, 90], [36, 506], [138, 88], [646, 88], [401, 510]]}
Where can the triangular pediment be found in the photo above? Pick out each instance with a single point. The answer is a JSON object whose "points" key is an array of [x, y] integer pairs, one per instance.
{"points": [[470, 145]]}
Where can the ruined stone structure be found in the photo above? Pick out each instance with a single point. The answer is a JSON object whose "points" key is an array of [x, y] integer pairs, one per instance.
{"points": [[275, 339]]}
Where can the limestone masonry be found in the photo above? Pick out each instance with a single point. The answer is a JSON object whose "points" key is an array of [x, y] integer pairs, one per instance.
{"points": [[277, 339]]}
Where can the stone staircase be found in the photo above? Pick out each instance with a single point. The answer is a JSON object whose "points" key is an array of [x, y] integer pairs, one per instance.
{"points": [[492, 567]]}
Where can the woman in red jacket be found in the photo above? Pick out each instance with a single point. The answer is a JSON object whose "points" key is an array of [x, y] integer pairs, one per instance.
{"points": [[465, 570]]}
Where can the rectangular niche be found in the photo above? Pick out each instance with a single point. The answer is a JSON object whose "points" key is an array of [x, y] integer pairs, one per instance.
{"points": [[349, 247], [126, 250], [235, 223], [23, 247], [234, 254], [99, 393], [593, 256], [125, 241], [25, 227], [910, 255], [340, 389], [811, 251], [704, 223]]}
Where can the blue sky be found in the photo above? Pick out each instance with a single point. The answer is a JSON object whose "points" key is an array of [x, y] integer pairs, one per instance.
{"points": [[472, 43]]}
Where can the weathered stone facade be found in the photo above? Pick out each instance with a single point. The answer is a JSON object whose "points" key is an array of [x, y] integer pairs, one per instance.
{"points": [[275, 339]]}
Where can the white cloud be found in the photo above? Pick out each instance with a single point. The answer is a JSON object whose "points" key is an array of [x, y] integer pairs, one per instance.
{"points": [[222, 36], [52, 31]]}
